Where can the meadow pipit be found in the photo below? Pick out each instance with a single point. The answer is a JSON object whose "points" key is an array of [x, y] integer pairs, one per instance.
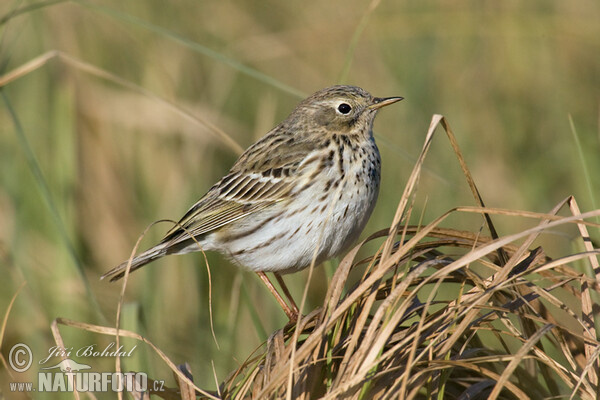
{"points": [[303, 192]]}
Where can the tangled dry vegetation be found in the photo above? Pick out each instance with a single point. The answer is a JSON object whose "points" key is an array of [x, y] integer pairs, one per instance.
{"points": [[438, 313], [381, 341]]}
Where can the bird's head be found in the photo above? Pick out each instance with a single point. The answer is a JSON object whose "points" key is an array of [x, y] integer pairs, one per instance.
{"points": [[341, 109]]}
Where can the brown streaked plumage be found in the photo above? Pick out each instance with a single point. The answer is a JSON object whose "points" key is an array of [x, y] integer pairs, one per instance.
{"points": [[302, 193]]}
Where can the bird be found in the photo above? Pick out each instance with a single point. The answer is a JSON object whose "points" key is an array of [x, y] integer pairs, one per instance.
{"points": [[300, 195]]}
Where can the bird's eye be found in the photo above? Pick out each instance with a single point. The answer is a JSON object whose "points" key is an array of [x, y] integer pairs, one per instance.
{"points": [[344, 108]]}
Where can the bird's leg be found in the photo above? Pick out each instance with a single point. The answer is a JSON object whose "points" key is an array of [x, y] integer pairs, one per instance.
{"points": [[286, 292], [291, 314]]}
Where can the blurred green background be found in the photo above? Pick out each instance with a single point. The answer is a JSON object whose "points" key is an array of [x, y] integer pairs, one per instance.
{"points": [[86, 163]]}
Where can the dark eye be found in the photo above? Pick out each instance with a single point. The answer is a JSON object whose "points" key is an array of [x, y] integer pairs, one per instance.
{"points": [[344, 108]]}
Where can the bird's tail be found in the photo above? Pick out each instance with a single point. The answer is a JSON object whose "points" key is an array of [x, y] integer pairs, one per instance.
{"points": [[138, 261]]}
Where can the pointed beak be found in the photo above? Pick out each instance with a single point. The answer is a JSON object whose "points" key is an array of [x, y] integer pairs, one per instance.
{"points": [[379, 102]]}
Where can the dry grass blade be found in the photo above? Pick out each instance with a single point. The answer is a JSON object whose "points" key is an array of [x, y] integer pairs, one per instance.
{"points": [[61, 344], [517, 360], [590, 316], [28, 67], [100, 73], [410, 185], [472, 186], [5, 322], [122, 299], [104, 330], [187, 391], [589, 369]]}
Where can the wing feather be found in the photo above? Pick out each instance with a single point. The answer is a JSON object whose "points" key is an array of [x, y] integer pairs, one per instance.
{"points": [[261, 177]]}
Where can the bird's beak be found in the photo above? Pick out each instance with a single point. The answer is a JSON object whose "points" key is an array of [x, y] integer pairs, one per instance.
{"points": [[379, 102]]}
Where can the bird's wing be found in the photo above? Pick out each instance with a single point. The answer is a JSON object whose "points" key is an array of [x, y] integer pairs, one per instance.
{"points": [[257, 180]]}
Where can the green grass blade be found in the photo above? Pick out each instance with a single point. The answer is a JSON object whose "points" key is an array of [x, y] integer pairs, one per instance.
{"points": [[198, 48], [28, 8], [584, 165], [45, 193], [354, 41]]}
